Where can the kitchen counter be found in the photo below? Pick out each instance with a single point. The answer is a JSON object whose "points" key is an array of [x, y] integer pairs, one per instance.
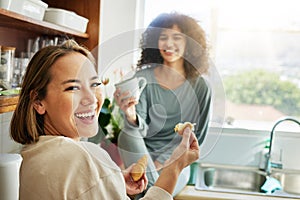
{"points": [[190, 193]]}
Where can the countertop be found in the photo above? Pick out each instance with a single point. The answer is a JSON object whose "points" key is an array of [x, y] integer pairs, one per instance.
{"points": [[190, 193]]}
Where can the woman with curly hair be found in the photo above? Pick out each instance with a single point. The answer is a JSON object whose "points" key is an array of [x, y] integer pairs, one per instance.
{"points": [[173, 59]]}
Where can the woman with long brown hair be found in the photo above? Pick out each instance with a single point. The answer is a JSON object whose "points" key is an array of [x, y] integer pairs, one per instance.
{"points": [[59, 104]]}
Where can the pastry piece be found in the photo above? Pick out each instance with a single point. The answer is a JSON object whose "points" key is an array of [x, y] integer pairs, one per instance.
{"points": [[179, 128], [139, 168]]}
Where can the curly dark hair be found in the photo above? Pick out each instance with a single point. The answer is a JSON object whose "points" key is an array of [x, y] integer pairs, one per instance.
{"points": [[196, 52]]}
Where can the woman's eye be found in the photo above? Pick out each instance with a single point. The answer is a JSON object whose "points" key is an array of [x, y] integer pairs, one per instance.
{"points": [[178, 38], [72, 88], [162, 38], [96, 84]]}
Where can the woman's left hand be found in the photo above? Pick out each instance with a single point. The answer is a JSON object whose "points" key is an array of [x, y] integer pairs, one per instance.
{"points": [[134, 187]]}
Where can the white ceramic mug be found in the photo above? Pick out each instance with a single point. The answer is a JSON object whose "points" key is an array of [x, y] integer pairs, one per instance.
{"points": [[133, 85]]}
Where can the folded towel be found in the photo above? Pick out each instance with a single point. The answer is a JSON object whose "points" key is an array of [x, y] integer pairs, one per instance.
{"points": [[270, 185]]}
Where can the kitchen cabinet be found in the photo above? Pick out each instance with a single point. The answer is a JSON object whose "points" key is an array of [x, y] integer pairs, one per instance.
{"points": [[16, 29]]}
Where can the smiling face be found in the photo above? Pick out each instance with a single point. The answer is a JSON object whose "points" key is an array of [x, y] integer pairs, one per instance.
{"points": [[171, 44], [74, 98]]}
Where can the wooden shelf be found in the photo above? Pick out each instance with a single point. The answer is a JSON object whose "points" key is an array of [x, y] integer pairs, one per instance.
{"points": [[8, 103], [17, 21]]}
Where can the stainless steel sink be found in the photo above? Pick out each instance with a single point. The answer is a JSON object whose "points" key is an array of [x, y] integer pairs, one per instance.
{"points": [[229, 178], [289, 179], [245, 180]]}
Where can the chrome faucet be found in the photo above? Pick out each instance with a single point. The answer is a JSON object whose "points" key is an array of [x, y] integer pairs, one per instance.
{"points": [[269, 164]]}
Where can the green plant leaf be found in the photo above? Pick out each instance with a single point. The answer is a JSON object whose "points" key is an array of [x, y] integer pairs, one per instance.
{"points": [[104, 119], [106, 107]]}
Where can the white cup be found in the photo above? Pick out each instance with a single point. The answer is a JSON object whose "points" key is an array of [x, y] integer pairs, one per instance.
{"points": [[133, 85]]}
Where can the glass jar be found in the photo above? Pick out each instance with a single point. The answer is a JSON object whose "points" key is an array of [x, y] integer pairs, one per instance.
{"points": [[6, 66]]}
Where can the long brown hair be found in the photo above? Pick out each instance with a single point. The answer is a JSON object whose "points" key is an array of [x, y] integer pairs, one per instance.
{"points": [[196, 52], [26, 124]]}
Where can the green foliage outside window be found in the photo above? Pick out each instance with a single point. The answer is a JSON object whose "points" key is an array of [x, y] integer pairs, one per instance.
{"points": [[262, 87]]}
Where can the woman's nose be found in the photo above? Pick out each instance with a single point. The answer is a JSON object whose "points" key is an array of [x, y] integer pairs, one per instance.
{"points": [[89, 97], [170, 42]]}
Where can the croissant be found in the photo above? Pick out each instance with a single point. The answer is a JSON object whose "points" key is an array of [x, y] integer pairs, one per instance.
{"points": [[139, 168], [179, 128]]}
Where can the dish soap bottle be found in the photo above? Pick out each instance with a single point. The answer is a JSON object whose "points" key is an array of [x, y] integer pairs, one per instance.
{"points": [[264, 154]]}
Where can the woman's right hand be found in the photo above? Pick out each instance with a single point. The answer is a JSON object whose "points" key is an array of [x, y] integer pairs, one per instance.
{"points": [[127, 105], [183, 155], [187, 152]]}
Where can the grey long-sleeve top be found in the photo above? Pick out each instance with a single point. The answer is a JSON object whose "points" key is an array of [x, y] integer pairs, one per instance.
{"points": [[160, 109]]}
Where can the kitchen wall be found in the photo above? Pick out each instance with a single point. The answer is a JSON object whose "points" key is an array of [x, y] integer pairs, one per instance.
{"points": [[118, 16], [119, 42]]}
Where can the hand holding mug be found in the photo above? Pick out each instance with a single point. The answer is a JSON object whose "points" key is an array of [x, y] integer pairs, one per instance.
{"points": [[132, 87], [127, 95]]}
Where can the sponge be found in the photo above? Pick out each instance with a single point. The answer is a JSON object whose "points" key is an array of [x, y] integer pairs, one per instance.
{"points": [[270, 185]]}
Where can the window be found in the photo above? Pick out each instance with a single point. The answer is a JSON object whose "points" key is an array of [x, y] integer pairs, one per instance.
{"points": [[255, 46]]}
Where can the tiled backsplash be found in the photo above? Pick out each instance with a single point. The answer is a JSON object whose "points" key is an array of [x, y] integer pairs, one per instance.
{"points": [[7, 145]]}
